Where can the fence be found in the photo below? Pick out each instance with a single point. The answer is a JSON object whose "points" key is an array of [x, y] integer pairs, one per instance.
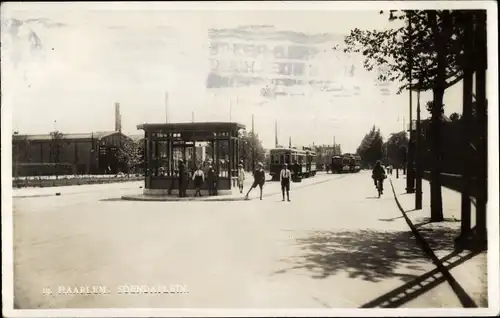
{"points": [[453, 182], [52, 181]]}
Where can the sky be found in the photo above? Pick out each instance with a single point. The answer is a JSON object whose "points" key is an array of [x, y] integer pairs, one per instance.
{"points": [[67, 64]]}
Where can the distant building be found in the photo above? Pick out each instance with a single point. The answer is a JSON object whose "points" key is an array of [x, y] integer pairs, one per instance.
{"points": [[83, 153]]}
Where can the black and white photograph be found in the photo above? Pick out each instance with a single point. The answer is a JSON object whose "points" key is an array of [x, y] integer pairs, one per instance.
{"points": [[253, 158]]}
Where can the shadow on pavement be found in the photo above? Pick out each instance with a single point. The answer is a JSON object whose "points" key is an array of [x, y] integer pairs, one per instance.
{"points": [[112, 199], [420, 285], [367, 254], [396, 218], [438, 233]]}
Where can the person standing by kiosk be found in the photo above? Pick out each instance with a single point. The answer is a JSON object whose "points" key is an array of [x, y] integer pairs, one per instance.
{"points": [[241, 177], [211, 179], [285, 176], [182, 179], [199, 178]]}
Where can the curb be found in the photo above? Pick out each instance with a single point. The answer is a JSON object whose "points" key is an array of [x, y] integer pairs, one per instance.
{"points": [[177, 199], [217, 199], [464, 298]]}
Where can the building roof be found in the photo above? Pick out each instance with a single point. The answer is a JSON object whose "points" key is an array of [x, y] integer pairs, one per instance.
{"points": [[137, 137], [98, 135], [198, 126]]}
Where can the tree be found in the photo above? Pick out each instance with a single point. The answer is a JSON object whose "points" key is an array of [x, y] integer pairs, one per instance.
{"points": [[410, 48], [371, 147], [56, 149], [393, 146], [425, 54], [131, 155], [247, 139]]}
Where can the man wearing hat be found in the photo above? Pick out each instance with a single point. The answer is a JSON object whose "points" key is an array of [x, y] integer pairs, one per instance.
{"points": [[182, 178], [285, 176], [241, 177], [211, 179], [259, 177]]}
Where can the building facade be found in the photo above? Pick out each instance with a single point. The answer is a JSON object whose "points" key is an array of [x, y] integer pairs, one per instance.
{"points": [[67, 154]]}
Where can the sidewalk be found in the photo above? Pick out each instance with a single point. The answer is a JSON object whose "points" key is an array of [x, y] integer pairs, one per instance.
{"points": [[271, 188], [468, 269]]}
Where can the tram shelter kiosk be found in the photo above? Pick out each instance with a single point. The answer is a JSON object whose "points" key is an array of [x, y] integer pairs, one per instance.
{"points": [[166, 144]]}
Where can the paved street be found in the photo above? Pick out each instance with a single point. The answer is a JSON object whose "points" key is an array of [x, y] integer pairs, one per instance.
{"points": [[331, 247]]}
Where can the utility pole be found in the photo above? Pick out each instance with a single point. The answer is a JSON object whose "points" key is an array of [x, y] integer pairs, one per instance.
{"points": [[253, 144], [419, 170], [166, 107], [192, 117], [410, 175]]}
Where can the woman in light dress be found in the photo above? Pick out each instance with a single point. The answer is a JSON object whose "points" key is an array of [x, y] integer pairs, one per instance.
{"points": [[241, 177]]}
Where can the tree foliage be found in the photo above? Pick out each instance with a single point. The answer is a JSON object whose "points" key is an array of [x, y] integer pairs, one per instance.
{"points": [[411, 46], [371, 147], [56, 148], [395, 147], [131, 155], [247, 139]]}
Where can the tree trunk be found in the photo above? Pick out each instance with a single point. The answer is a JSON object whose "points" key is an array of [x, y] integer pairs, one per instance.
{"points": [[436, 114], [466, 129], [436, 196]]}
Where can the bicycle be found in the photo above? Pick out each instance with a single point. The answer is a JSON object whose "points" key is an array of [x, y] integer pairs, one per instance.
{"points": [[379, 187]]}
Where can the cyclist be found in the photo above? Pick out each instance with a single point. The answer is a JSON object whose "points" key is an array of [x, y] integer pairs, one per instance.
{"points": [[378, 174]]}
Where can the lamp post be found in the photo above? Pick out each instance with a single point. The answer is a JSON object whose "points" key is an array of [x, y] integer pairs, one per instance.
{"points": [[418, 161], [253, 144]]}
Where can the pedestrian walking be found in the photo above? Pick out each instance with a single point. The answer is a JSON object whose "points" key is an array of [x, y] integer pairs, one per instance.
{"points": [[285, 177], [199, 178], [259, 177], [241, 177]]}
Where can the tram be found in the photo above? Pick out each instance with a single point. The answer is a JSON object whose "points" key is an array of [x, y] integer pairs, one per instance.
{"points": [[336, 164], [310, 162], [357, 163], [296, 160], [347, 163]]}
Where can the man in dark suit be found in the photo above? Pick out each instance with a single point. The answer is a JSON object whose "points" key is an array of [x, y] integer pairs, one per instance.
{"points": [[182, 179], [211, 180]]}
